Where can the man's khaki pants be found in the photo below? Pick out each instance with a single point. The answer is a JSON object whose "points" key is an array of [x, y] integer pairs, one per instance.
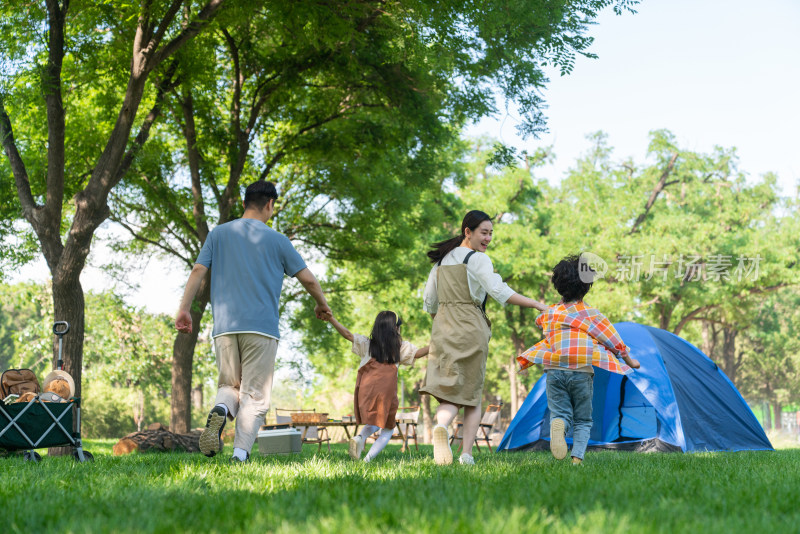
{"points": [[246, 363]]}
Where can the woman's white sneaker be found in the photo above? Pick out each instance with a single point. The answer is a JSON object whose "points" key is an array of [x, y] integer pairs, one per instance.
{"points": [[466, 459]]}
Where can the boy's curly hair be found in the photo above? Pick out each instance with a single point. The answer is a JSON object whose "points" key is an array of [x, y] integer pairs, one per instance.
{"points": [[567, 279]]}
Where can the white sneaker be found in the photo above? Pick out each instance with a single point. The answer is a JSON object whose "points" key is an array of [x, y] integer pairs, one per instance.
{"points": [[558, 445], [356, 447], [442, 454], [466, 459]]}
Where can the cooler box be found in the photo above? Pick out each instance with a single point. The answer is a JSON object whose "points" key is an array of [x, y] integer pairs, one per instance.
{"points": [[279, 441]]}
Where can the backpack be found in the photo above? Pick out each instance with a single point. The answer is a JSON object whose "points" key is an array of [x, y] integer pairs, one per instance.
{"points": [[18, 381]]}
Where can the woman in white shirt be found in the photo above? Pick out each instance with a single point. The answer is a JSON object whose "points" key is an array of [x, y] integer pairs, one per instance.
{"points": [[459, 284]]}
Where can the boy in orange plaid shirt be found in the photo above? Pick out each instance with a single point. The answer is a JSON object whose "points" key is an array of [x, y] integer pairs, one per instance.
{"points": [[576, 338]]}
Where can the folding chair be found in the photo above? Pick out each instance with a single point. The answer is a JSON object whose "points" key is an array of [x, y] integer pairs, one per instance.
{"points": [[407, 418], [311, 434], [490, 417]]}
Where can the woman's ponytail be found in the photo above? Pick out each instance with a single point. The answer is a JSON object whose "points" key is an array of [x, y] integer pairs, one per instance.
{"points": [[442, 248]]}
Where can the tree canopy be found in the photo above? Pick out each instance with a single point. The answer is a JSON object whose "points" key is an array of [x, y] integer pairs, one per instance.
{"points": [[690, 244]]}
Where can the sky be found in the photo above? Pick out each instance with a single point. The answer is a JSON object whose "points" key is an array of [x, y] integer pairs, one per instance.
{"points": [[713, 72], [723, 73]]}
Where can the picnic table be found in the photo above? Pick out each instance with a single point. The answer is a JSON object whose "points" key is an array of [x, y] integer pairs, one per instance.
{"points": [[404, 419], [328, 424]]}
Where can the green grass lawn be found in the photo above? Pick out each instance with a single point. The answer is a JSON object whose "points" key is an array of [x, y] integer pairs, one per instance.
{"points": [[750, 492]]}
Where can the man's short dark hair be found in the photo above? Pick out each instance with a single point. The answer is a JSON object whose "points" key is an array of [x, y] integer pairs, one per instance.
{"points": [[567, 279], [258, 193]]}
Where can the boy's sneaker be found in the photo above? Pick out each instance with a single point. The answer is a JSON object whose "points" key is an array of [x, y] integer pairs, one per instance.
{"points": [[211, 438], [466, 459], [577, 461], [356, 447], [558, 445], [442, 454]]}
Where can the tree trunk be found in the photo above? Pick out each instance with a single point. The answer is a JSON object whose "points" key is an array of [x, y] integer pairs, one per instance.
{"points": [[729, 364], [138, 410], [513, 381], [427, 417], [197, 397], [777, 408], [68, 305], [709, 339], [182, 356], [664, 318]]}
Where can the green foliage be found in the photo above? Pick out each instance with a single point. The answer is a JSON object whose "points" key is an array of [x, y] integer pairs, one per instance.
{"points": [[401, 492], [679, 204], [771, 349], [25, 330], [127, 359], [107, 411], [352, 107]]}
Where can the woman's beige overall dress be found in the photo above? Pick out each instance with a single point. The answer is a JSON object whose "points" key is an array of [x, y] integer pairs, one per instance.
{"points": [[459, 341]]}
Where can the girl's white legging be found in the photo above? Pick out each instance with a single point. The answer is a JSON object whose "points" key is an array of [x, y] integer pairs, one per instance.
{"points": [[380, 443]]}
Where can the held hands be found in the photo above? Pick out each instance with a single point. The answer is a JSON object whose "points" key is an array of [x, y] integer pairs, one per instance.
{"points": [[323, 312]]}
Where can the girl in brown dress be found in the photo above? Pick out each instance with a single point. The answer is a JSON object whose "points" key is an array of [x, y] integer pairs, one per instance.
{"points": [[459, 284], [375, 398]]}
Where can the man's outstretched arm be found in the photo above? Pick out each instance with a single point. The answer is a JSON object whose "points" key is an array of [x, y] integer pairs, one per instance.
{"points": [[309, 281]]}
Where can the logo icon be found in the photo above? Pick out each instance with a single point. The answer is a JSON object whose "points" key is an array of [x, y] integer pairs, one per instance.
{"points": [[591, 267]]}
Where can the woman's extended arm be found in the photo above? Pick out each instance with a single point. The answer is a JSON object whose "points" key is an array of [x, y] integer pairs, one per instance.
{"points": [[525, 302], [341, 329]]}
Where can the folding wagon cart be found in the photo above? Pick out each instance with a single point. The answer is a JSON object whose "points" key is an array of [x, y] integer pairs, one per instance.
{"points": [[37, 424]]}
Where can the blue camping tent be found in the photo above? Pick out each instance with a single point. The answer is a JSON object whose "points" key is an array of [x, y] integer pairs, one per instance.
{"points": [[679, 400]]}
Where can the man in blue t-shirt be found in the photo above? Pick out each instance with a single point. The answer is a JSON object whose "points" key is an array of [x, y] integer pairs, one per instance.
{"points": [[248, 261]]}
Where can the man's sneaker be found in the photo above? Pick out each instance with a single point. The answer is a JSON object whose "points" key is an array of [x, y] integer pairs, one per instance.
{"points": [[356, 447], [211, 438], [466, 459], [442, 454], [237, 460], [558, 446], [577, 461]]}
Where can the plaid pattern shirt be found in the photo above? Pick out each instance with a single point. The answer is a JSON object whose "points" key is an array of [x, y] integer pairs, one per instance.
{"points": [[576, 336]]}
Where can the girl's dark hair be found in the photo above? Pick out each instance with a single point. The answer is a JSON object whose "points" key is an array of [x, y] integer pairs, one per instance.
{"points": [[385, 339], [472, 220], [567, 279]]}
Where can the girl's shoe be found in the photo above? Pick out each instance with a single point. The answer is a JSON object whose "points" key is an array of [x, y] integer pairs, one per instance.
{"points": [[466, 459], [558, 445], [356, 447], [442, 454]]}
